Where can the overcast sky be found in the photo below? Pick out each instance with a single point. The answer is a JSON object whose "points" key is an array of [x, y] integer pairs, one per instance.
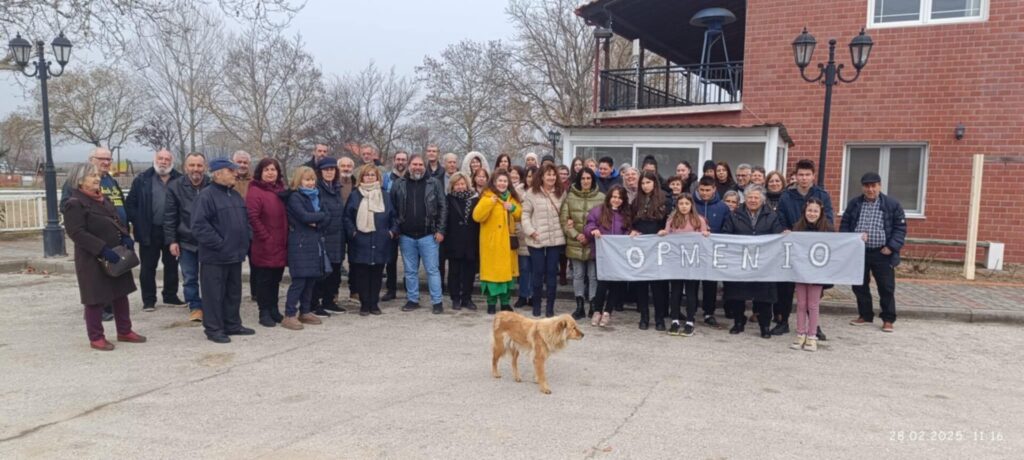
{"points": [[344, 36]]}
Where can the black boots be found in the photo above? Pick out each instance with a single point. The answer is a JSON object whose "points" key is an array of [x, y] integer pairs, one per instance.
{"points": [[766, 333], [580, 313], [265, 319], [535, 303], [520, 302], [781, 329], [491, 309]]}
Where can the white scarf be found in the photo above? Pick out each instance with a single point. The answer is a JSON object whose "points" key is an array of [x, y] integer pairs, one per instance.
{"points": [[373, 202]]}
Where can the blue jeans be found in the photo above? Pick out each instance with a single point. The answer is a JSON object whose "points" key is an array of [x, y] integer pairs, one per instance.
{"points": [[189, 263], [525, 277], [545, 271], [413, 250], [300, 296]]}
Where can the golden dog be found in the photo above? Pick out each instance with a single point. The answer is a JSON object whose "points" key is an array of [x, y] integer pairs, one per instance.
{"points": [[514, 333]]}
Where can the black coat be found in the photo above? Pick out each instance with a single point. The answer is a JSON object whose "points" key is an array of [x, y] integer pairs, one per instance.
{"points": [[740, 223], [334, 228], [220, 224], [463, 238], [181, 196], [139, 206], [436, 207], [92, 226], [894, 219], [305, 237], [370, 248]]}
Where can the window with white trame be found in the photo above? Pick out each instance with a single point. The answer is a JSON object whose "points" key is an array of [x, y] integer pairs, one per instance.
{"points": [[903, 168], [896, 13]]}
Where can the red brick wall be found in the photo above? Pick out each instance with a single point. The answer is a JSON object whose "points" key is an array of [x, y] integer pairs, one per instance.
{"points": [[918, 84]]}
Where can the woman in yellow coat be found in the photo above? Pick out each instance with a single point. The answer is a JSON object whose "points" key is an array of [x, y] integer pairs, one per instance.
{"points": [[496, 211]]}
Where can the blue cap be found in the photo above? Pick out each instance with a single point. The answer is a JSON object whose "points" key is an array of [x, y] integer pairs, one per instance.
{"points": [[221, 163], [327, 162]]}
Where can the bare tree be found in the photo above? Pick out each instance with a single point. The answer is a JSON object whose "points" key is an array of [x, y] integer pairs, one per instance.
{"points": [[157, 131], [390, 112], [98, 106], [270, 100], [20, 140]]}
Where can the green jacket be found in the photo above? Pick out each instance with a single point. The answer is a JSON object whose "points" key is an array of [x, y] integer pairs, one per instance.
{"points": [[576, 206]]}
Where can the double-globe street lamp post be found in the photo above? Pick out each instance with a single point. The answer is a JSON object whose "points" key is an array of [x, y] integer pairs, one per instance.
{"points": [[554, 137], [830, 75], [53, 235]]}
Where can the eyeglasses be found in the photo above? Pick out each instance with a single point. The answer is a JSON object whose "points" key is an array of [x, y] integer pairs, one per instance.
{"points": [[105, 160]]}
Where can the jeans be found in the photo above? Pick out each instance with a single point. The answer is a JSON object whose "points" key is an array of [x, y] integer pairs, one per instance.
{"points": [[149, 257], [525, 277], [808, 299], [584, 278], [300, 294], [545, 272], [189, 264], [221, 285], [414, 249], [94, 319], [880, 266]]}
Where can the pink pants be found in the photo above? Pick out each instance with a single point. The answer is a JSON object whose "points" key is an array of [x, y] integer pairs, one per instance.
{"points": [[808, 299]]}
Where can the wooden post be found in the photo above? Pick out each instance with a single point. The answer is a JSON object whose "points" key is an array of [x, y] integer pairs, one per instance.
{"points": [[977, 169]]}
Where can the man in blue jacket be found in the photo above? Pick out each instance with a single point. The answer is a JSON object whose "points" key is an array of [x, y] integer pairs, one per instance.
{"points": [[883, 226], [607, 175], [791, 208], [715, 211], [220, 225]]}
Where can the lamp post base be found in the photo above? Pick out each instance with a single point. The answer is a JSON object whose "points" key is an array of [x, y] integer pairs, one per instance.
{"points": [[53, 242]]}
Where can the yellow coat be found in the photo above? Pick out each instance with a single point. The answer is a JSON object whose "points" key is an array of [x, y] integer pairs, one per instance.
{"points": [[498, 261]]}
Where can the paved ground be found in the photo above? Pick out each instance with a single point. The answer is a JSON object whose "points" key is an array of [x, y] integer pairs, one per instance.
{"points": [[416, 385]]}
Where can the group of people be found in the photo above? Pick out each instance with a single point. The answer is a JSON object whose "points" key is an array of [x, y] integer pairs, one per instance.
{"points": [[512, 227]]}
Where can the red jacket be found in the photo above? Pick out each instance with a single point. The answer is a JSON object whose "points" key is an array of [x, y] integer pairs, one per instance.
{"points": [[269, 222]]}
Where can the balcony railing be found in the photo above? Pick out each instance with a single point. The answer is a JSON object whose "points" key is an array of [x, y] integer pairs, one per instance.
{"points": [[671, 86]]}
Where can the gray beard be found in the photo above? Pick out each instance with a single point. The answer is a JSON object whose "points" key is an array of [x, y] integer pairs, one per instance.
{"points": [[415, 176], [163, 172], [345, 175]]}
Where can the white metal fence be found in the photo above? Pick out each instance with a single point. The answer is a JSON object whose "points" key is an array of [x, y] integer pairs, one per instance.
{"points": [[22, 210]]}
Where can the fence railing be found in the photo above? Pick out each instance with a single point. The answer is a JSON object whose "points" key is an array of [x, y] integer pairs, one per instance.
{"points": [[22, 210], [671, 86]]}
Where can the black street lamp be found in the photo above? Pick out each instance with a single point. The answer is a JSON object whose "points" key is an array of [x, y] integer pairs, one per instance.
{"points": [[554, 137], [830, 75], [53, 235]]}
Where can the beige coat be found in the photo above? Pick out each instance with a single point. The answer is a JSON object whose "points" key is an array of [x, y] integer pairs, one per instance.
{"points": [[541, 215]]}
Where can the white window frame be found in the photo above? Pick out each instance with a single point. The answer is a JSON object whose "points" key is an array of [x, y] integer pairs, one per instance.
{"points": [[670, 168], [883, 171], [925, 17]]}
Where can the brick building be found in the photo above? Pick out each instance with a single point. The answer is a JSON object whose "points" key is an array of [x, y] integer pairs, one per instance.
{"points": [[935, 64]]}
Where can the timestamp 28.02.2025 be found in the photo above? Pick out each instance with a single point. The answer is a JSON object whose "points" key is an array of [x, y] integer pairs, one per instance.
{"points": [[945, 436]]}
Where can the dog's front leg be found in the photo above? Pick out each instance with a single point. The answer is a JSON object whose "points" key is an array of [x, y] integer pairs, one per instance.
{"points": [[515, 365], [539, 357]]}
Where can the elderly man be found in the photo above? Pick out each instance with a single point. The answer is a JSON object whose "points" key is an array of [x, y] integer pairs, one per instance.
{"points": [[220, 225], [434, 166], [243, 173], [368, 154], [345, 167], [743, 175], [421, 214], [177, 227], [320, 152], [882, 224], [145, 206], [451, 166]]}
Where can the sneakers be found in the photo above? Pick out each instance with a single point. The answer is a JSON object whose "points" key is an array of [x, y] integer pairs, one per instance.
{"points": [[780, 329], [410, 306], [596, 320], [148, 307], [319, 311], [886, 326], [859, 322], [333, 307], [674, 328], [196, 316], [291, 322], [468, 304], [101, 345], [811, 344], [799, 342], [687, 330], [437, 308], [131, 337], [309, 318], [108, 316], [606, 318]]}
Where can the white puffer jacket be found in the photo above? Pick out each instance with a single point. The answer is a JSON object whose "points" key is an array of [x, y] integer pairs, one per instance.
{"points": [[541, 215]]}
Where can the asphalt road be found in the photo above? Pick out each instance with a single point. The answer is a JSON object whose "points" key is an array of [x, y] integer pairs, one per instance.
{"points": [[416, 385]]}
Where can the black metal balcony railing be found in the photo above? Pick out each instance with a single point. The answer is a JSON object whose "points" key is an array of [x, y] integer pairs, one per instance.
{"points": [[672, 86]]}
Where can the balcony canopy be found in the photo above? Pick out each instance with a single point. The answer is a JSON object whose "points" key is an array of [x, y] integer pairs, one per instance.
{"points": [[663, 26]]}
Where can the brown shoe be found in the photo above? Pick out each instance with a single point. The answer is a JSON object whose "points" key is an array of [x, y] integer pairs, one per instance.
{"points": [[859, 322], [131, 337], [291, 322], [886, 327], [101, 345], [196, 316], [309, 318]]}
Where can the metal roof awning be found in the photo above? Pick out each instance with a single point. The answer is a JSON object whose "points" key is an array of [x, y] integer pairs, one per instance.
{"points": [[783, 133]]}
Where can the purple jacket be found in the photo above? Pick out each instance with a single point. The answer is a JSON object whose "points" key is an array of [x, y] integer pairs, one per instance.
{"points": [[594, 223]]}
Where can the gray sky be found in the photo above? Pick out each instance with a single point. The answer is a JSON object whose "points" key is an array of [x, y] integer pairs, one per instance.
{"points": [[344, 36]]}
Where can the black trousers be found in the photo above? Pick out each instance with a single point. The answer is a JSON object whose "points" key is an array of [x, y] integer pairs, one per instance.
{"points": [[266, 282], [880, 266], [366, 281], [392, 270], [784, 306], [709, 292], [149, 256], [763, 310], [609, 295], [326, 289], [676, 298], [221, 287], [460, 279], [644, 291]]}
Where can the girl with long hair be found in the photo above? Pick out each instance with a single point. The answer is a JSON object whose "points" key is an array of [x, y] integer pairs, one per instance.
{"points": [[685, 218], [649, 213], [808, 296], [613, 217]]}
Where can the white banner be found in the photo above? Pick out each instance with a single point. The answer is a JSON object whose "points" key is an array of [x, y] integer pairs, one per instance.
{"points": [[804, 257]]}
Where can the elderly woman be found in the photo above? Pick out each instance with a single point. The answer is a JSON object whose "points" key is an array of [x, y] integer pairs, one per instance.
{"points": [[752, 218], [92, 223], [371, 229], [462, 243]]}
